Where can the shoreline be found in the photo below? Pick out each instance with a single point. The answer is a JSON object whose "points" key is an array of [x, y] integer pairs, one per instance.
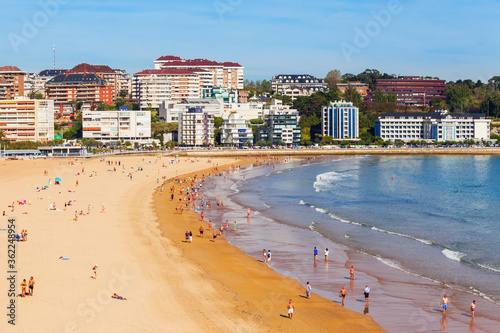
{"points": [[248, 281], [391, 280]]}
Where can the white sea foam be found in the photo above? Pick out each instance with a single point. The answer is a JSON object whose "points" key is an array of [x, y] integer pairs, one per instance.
{"points": [[483, 295], [333, 216], [453, 255], [264, 217], [347, 236], [489, 268], [321, 210], [325, 180], [402, 235], [279, 171], [268, 205], [312, 225], [302, 202]]}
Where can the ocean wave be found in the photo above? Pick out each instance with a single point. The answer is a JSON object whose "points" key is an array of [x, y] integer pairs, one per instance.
{"points": [[279, 171], [402, 235], [333, 216], [453, 255], [483, 295], [312, 225], [264, 217], [347, 236], [267, 205], [302, 202], [324, 181], [489, 268], [321, 210]]}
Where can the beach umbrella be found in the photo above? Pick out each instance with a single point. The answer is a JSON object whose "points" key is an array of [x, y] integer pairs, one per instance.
{"points": [[58, 179]]}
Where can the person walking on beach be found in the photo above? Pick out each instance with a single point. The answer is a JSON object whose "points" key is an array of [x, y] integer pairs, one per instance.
{"points": [[201, 231], [367, 294], [326, 254], [315, 253], [264, 256], [472, 308], [269, 258], [444, 303], [290, 308], [351, 272], [308, 290], [235, 225], [190, 237], [95, 271], [23, 288], [31, 285], [342, 294]]}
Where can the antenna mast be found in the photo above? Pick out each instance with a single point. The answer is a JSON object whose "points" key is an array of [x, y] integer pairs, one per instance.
{"points": [[54, 56]]}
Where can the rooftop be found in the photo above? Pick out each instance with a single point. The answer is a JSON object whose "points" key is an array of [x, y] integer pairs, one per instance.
{"points": [[52, 72], [169, 71], [433, 115], [77, 79], [5, 69], [173, 61], [92, 69]]}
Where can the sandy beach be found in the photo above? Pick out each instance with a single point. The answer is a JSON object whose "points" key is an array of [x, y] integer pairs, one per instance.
{"points": [[137, 245]]}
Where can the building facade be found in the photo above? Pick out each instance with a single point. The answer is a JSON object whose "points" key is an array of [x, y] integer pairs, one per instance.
{"points": [[170, 111], [281, 125], [340, 120], [78, 87], [229, 75], [435, 126], [27, 120], [361, 88], [109, 75], [247, 111], [413, 90], [295, 85], [123, 124], [236, 131], [196, 128], [11, 82]]}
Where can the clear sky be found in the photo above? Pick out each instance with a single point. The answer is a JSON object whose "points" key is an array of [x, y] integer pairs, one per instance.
{"points": [[445, 38]]}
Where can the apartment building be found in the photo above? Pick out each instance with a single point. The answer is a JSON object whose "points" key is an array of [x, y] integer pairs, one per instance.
{"points": [[434, 126], [170, 111], [413, 90], [154, 86], [247, 111], [11, 82], [236, 131], [117, 125], [78, 87], [36, 82], [223, 74], [27, 120], [123, 81], [340, 120], [295, 85], [282, 124], [110, 76], [196, 128]]}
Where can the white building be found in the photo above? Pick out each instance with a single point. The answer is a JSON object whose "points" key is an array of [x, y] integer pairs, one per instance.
{"points": [[27, 119], [116, 125], [295, 85], [236, 131], [247, 111], [123, 81], [340, 120], [196, 128], [170, 110], [436, 126], [276, 107]]}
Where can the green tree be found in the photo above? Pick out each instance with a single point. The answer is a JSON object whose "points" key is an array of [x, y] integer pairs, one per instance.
{"points": [[352, 95], [218, 122]]}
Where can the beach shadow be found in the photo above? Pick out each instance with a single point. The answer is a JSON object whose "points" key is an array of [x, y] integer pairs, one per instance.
{"points": [[284, 316], [467, 315], [92, 277], [303, 296], [361, 300], [347, 278], [437, 310], [338, 302]]}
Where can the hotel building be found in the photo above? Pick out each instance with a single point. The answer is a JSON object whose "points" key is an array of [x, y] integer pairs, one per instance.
{"points": [[413, 90], [11, 82], [79, 87], [27, 120], [196, 128], [340, 120], [435, 126], [170, 111], [222, 74], [117, 125], [282, 124]]}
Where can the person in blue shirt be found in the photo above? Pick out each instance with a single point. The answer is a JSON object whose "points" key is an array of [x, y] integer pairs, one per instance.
{"points": [[315, 253]]}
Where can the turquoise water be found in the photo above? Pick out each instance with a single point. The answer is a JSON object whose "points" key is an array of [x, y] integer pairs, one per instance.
{"points": [[432, 216]]}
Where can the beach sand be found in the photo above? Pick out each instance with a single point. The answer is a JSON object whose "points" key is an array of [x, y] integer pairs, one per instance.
{"points": [[170, 286]]}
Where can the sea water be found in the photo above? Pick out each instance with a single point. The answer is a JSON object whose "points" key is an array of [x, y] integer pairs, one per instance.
{"points": [[431, 216]]}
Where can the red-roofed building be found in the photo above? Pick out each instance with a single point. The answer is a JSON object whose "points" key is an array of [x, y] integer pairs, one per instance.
{"points": [[224, 74], [117, 79], [12, 84]]}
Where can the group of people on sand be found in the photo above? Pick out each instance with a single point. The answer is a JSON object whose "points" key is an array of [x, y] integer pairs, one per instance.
{"points": [[30, 285], [23, 237]]}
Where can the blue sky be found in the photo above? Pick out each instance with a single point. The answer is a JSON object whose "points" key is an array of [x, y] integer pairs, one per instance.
{"points": [[448, 39]]}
